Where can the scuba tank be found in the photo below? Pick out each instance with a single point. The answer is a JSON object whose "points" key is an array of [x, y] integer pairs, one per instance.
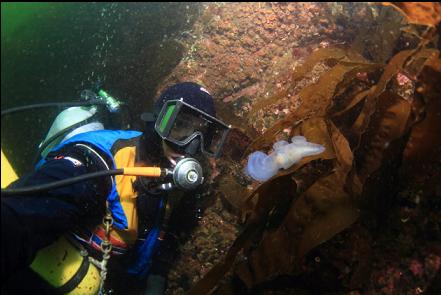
{"points": [[61, 264], [78, 119], [64, 264], [67, 122], [67, 268]]}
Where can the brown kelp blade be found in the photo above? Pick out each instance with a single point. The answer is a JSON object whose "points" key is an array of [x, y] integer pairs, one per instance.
{"points": [[309, 203]]}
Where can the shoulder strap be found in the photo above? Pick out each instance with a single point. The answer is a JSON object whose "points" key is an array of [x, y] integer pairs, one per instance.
{"points": [[98, 156]]}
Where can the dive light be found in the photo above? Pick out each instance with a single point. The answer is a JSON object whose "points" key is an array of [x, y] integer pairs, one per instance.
{"points": [[112, 104]]}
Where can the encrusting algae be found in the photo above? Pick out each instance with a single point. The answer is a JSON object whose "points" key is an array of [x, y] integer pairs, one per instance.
{"points": [[369, 107]]}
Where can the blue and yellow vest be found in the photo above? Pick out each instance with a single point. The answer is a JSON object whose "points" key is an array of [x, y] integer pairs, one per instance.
{"points": [[120, 148]]}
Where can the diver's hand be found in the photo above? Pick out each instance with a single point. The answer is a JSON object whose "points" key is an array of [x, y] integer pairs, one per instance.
{"points": [[155, 285], [174, 158]]}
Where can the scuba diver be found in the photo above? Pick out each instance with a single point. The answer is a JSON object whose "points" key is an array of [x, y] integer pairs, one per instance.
{"points": [[126, 213]]}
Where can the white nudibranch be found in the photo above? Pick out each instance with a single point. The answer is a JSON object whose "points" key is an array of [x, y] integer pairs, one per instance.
{"points": [[262, 167]]}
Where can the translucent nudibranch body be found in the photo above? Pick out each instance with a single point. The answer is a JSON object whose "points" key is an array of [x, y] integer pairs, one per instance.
{"points": [[262, 167]]}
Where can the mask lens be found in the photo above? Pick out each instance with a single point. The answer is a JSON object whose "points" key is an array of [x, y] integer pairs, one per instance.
{"points": [[165, 120], [186, 124], [213, 139], [180, 124]]}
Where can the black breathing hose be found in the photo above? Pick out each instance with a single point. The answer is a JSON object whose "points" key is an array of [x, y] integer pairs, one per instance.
{"points": [[60, 183], [52, 104]]}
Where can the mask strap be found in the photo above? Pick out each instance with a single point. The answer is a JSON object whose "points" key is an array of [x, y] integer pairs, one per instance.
{"points": [[148, 117]]}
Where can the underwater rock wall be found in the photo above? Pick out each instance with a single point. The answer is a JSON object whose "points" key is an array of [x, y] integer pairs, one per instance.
{"points": [[245, 51], [338, 73]]}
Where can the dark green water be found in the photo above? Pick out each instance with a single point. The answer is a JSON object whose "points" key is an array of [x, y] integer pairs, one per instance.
{"points": [[52, 51]]}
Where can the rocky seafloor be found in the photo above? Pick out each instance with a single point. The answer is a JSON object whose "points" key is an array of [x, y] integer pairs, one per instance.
{"points": [[245, 53]]}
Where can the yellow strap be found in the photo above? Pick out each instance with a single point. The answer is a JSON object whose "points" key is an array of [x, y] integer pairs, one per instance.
{"points": [[125, 157]]}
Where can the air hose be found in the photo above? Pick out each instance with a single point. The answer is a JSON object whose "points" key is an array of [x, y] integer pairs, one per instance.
{"points": [[137, 171], [186, 175], [53, 104]]}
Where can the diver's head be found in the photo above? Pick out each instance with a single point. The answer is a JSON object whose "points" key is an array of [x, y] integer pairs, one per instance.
{"points": [[192, 93], [186, 121]]}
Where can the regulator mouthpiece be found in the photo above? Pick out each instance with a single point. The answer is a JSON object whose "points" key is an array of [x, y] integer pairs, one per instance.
{"points": [[188, 174]]}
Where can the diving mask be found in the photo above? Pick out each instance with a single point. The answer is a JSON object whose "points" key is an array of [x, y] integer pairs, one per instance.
{"points": [[184, 125]]}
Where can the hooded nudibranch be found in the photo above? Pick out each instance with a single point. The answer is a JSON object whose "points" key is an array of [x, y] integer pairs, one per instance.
{"points": [[262, 167]]}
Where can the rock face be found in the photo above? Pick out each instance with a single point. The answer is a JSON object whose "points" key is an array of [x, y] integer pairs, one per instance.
{"points": [[239, 42], [269, 62], [243, 52]]}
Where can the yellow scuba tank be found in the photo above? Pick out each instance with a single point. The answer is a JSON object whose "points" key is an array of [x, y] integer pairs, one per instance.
{"points": [[61, 264], [64, 267]]}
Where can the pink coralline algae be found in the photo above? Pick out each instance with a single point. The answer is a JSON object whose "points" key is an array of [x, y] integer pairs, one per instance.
{"points": [[416, 268], [432, 264], [362, 76], [389, 279], [402, 79]]}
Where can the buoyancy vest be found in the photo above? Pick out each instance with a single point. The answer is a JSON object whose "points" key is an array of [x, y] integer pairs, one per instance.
{"points": [[76, 275], [120, 147]]}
